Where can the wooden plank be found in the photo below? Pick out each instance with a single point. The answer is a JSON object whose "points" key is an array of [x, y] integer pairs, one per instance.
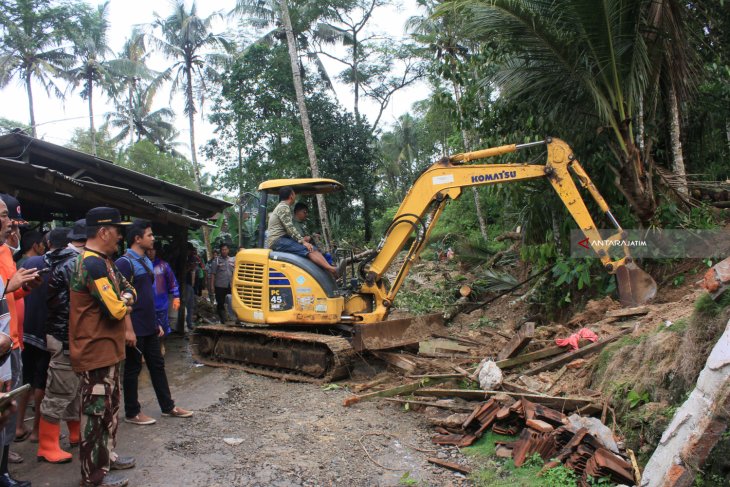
{"points": [[393, 391], [563, 359], [450, 465], [397, 360], [532, 356], [626, 312], [450, 407], [371, 384], [522, 338], [512, 387], [440, 345], [568, 403]]}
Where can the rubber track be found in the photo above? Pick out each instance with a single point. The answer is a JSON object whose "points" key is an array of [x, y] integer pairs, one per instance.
{"points": [[342, 353]]}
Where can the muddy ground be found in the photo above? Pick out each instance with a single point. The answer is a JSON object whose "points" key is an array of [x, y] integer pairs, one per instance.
{"points": [[293, 434]]}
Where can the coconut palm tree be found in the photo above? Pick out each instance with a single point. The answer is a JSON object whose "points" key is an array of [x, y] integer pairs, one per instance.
{"points": [[31, 46], [266, 13], [184, 37], [90, 49], [586, 62], [137, 118]]}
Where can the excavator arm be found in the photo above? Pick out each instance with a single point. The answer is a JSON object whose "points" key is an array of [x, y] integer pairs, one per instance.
{"points": [[444, 180]]}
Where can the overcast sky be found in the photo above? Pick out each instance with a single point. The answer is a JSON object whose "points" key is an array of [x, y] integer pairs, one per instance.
{"points": [[56, 119]]}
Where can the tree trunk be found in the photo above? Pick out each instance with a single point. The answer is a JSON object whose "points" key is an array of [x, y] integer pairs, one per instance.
{"points": [[635, 177], [92, 130], [194, 157], [640, 136], [355, 65], [727, 132], [306, 128], [467, 147], [674, 131], [29, 90], [131, 115], [240, 195]]}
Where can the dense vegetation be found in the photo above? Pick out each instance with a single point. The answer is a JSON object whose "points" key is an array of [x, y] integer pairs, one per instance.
{"points": [[639, 88]]}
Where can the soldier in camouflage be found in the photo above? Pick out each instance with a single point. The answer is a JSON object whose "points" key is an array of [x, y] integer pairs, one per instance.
{"points": [[284, 237], [99, 326]]}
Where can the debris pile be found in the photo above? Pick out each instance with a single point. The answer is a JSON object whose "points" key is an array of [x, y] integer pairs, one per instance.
{"points": [[543, 431]]}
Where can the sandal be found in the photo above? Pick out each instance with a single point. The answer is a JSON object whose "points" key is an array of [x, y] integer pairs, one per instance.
{"points": [[23, 437]]}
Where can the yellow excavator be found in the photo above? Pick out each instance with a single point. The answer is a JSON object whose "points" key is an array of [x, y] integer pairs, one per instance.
{"points": [[295, 321]]}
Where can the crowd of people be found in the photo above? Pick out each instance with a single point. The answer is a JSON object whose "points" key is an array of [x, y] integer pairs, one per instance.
{"points": [[77, 325]]}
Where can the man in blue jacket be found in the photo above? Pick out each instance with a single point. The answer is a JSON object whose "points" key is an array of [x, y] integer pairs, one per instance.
{"points": [[137, 268]]}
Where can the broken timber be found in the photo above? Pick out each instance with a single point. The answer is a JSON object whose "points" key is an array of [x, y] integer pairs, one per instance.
{"points": [[393, 391], [397, 360], [534, 356], [450, 465], [568, 403], [450, 407], [518, 342], [626, 312], [563, 359]]}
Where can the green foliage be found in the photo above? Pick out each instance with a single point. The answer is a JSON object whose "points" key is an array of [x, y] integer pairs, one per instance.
{"points": [[709, 307], [534, 460], [105, 147], [560, 476], [484, 322], [146, 158], [406, 479], [600, 481], [635, 399], [418, 301]]}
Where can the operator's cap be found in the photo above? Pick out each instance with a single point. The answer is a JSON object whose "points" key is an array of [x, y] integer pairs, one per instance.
{"points": [[78, 231], [14, 212], [103, 215]]}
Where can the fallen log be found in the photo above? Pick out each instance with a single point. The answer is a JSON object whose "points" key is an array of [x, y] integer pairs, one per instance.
{"points": [[697, 425], [563, 359]]}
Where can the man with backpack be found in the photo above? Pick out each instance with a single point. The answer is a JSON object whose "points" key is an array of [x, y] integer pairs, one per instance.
{"points": [[137, 268]]}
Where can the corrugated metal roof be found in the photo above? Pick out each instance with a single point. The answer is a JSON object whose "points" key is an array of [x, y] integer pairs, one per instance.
{"points": [[51, 179]]}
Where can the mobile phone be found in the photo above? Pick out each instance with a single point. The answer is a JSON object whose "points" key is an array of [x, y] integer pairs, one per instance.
{"points": [[45, 270], [7, 398]]}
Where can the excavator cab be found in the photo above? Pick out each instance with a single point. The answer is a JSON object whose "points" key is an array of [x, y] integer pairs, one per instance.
{"points": [[277, 288]]}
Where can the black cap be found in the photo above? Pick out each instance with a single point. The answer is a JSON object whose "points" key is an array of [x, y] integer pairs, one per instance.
{"points": [[14, 212], [58, 237], [104, 215], [78, 232]]}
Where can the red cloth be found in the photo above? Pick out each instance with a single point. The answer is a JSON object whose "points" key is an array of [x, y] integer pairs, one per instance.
{"points": [[572, 340]]}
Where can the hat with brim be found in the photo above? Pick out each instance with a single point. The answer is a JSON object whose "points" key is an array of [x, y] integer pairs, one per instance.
{"points": [[78, 232], [103, 215], [14, 212]]}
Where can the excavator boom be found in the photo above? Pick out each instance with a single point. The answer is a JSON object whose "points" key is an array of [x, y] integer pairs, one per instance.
{"points": [[445, 180]]}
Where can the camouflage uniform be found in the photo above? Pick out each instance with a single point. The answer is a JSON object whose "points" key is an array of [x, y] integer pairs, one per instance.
{"points": [[96, 342], [281, 224], [100, 397]]}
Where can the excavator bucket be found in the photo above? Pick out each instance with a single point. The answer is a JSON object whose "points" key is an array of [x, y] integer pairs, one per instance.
{"points": [[635, 287], [396, 333]]}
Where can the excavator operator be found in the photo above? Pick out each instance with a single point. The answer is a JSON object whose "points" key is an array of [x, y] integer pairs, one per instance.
{"points": [[284, 237]]}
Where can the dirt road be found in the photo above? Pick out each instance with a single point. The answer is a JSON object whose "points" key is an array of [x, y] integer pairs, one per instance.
{"points": [[293, 434]]}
